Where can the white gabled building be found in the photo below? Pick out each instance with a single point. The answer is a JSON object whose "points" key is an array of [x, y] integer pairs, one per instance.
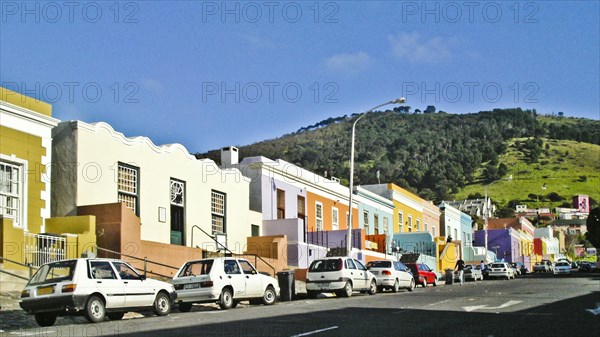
{"points": [[170, 190]]}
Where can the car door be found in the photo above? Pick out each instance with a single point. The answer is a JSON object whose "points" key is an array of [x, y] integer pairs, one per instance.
{"points": [[139, 292], [254, 284], [107, 283], [234, 276], [404, 278], [362, 274]]}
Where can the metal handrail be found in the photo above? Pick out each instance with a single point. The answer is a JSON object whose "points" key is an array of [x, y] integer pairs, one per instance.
{"points": [[29, 266], [145, 259], [232, 253]]}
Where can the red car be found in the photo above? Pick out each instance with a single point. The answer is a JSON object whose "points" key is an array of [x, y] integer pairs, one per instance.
{"points": [[423, 274]]}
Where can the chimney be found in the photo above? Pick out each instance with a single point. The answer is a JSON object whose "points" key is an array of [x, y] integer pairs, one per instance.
{"points": [[229, 156]]}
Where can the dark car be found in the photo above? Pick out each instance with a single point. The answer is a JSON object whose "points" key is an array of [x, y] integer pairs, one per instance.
{"points": [[422, 274], [585, 267], [486, 272], [520, 267]]}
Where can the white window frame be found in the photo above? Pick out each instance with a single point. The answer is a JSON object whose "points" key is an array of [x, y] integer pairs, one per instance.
{"points": [[366, 221], [335, 218], [319, 218], [136, 185], [409, 223], [401, 221], [215, 213], [386, 225], [433, 231], [20, 220], [418, 225]]}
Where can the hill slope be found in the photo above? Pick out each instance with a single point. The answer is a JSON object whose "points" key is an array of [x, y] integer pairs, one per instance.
{"points": [[436, 155]]}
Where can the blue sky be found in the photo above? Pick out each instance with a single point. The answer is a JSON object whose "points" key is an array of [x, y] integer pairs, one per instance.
{"points": [[212, 74]]}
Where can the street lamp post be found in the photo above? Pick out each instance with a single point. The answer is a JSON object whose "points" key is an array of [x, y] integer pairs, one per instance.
{"points": [[349, 234]]}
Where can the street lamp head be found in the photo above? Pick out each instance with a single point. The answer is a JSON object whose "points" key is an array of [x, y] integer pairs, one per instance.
{"points": [[398, 100]]}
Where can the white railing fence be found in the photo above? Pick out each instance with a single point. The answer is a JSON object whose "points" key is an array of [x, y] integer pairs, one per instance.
{"points": [[41, 248]]}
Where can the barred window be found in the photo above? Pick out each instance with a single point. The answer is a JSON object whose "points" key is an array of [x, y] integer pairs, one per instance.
{"points": [[217, 208], [11, 191], [128, 186]]}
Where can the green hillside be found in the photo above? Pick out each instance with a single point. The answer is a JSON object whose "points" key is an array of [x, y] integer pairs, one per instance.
{"points": [[444, 156], [566, 168]]}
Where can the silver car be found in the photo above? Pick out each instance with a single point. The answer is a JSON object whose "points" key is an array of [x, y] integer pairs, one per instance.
{"points": [[392, 275]]}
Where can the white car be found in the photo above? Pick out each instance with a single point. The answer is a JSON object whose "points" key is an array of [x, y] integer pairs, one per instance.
{"points": [[339, 275], [392, 275], [226, 281], [502, 269], [95, 288], [562, 268]]}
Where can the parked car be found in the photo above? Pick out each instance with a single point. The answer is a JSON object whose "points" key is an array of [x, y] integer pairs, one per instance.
{"points": [[541, 267], [423, 274], [562, 268], [470, 272], [550, 265], [585, 266], [226, 281], [392, 275], [520, 268], [501, 269], [339, 275], [95, 288]]}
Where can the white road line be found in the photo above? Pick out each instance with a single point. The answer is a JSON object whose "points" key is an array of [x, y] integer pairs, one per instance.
{"points": [[316, 331], [440, 302]]}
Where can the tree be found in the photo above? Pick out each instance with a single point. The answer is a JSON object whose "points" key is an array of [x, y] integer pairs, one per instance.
{"points": [[502, 170], [505, 212], [554, 197], [429, 110], [593, 227]]}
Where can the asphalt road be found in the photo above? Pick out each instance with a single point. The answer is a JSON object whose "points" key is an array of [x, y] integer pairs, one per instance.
{"points": [[533, 305]]}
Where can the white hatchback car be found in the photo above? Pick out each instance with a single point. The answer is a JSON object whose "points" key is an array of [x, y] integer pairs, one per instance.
{"points": [[226, 281], [339, 275], [95, 288], [502, 269], [392, 275], [562, 268]]}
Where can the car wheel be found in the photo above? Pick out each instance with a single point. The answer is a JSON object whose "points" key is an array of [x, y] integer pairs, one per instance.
{"points": [[226, 299], [270, 296], [372, 288], [347, 291], [184, 306], [162, 304], [45, 319], [95, 310], [312, 294], [424, 283], [235, 303], [396, 286], [115, 316], [435, 282], [411, 287]]}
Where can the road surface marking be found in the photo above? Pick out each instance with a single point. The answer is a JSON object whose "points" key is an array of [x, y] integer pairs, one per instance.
{"points": [[596, 311], [316, 331], [485, 306], [440, 302]]}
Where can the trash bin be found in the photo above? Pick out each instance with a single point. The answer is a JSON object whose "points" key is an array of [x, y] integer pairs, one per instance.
{"points": [[287, 286], [449, 276]]}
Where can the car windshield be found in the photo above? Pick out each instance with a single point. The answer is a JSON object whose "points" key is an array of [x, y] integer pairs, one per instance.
{"points": [[563, 264], [379, 264], [498, 265], [325, 265], [54, 272], [195, 268]]}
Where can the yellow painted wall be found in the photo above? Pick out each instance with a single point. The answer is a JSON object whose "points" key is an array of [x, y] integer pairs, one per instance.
{"points": [[82, 228], [28, 147], [12, 243], [406, 211], [449, 254], [25, 102]]}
